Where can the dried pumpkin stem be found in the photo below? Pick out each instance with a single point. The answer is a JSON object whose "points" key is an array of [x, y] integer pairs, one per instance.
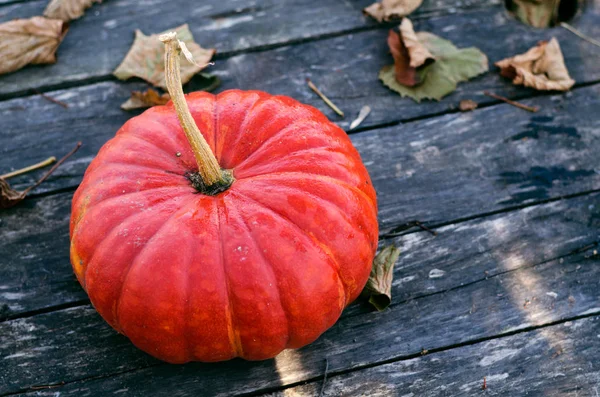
{"points": [[33, 167], [208, 166]]}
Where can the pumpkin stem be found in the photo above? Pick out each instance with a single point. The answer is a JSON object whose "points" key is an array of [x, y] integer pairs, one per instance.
{"points": [[208, 166]]}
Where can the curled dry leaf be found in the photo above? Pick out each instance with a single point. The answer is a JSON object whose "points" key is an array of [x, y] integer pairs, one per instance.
{"points": [[379, 285], [29, 41], [67, 10], [386, 10], [418, 53], [466, 105], [145, 99], [542, 67], [145, 58], [410, 56], [452, 65]]}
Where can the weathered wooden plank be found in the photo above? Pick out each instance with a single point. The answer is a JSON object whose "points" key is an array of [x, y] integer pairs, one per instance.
{"points": [[520, 295], [560, 360], [98, 41], [470, 163]]}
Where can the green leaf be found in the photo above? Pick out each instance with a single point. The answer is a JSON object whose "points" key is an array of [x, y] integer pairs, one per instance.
{"points": [[452, 65], [379, 285]]}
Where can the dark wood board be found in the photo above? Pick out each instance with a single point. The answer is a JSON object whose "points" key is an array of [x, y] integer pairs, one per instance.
{"points": [[469, 163], [76, 344], [98, 42], [556, 361]]}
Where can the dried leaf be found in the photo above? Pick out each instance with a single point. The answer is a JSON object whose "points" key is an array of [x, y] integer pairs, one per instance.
{"points": [[29, 41], [391, 9], [418, 53], [542, 67], [145, 99], [9, 197], [145, 59], [410, 56], [452, 65], [67, 10], [379, 285], [536, 13], [466, 105]]}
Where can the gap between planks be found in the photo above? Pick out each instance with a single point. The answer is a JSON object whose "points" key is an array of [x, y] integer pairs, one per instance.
{"points": [[229, 54]]}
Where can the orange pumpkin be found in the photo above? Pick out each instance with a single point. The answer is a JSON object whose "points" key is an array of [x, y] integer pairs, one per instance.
{"points": [[264, 260]]}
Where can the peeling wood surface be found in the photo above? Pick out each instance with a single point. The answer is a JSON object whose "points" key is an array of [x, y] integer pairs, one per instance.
{"points": [[75, 343], [560, 360], [509, 289]]}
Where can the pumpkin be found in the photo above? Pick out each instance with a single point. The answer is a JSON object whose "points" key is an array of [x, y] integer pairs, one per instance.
{"points": [[263, 258]]}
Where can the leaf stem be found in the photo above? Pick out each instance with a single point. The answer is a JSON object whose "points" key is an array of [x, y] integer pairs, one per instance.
{"points": [[531, 109], [324, 98], [54, 167], [33, 167], [208, 166]]}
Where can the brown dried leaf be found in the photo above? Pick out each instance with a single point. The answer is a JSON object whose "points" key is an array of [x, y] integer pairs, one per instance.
{"points": [[418, 53], [391, 9], [145, 99], [466, 105], [9, 197], [542, 67], [145, 59], [29, 41], [67, 10], [410, 56], [379, 285]]}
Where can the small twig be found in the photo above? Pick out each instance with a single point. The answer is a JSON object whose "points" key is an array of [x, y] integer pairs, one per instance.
{"points": [[33, 167], [578, 33], [362, 115], [531, 109], [324, 98], [49, 98], [423, 227], [324, 377], [50, 386], [51, 170]]}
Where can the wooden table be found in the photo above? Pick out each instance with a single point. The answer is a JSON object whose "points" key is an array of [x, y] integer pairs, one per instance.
{"points": [[507, 291]]}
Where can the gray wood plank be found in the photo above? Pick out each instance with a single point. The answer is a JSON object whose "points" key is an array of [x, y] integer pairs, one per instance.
{"points": [[97, 42], [76, 344], [487, 160], [560, 360]]}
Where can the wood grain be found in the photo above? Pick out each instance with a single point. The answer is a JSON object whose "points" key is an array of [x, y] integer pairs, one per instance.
{"points": [[72, 344], [559, 360], [469, 163], [97, 42]]}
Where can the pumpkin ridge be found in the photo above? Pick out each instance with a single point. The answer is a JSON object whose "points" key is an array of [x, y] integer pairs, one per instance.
{"points": [[344, 216], [184, 206], [304, 175], [131, 132], [234, 339], [271, 138], [319, 245], [109, 232], [108, 199], [231, 146], [268, 263]]}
